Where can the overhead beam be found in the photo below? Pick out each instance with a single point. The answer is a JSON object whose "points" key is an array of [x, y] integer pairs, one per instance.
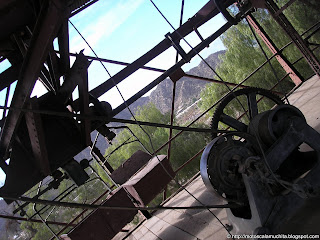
{"points": [[202, 16], [178, 65], [84, 108], [9, 76], [292, 33], [48, 24], [286, 65], [63, 41], [37, 138]]}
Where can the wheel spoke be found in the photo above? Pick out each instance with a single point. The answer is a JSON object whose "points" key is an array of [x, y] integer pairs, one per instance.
{"points": [[234, 123], [252, 104]]}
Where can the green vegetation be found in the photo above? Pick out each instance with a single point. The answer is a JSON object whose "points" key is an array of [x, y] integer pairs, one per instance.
{"points": [[243, 54], [184, 147], [86, 193]]}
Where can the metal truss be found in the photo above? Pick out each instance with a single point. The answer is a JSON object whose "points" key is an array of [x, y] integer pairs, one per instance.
{"points": [[26, 138]]}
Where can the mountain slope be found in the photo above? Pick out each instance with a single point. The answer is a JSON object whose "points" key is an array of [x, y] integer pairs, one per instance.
{"points": [[187, 90]]}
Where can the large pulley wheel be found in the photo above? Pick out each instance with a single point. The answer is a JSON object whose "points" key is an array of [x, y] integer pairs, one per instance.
{"points": [[221, 164], [247, 98]]}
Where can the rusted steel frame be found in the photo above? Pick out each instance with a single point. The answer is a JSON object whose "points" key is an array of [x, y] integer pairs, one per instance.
{"points": [[215, 81], [180, 23], [63, 41], [299, 59], [84, 107], [171, 118], [164, 196], [96, 151], [102, 118], [8, 76], [104, 207], [284, 7], [189, 161], [304, 33], [45, 31], [37, 138], [294, 36], [33, 220], [202, 16], [161, 125], [117, 62], [269, 59], [172, 104], [80, 214], [175, 67], [286, 65], [201, 115], [311, 34]]}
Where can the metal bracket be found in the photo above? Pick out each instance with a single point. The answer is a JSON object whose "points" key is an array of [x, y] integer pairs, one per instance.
{"points": [[179, 49]]}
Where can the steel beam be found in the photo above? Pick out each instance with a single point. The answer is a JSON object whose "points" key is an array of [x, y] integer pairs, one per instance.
{"points": [[202, 16], [84, 108], [48, 24], [116, 62], [34, 220], [9, 76], [63, 40], [178, 65], [294, 36], [215, 81], [286, 65], [99, 155], [37, 138]]}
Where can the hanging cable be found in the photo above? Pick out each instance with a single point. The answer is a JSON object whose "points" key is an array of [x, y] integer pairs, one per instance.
{"points": [[93, 207], [149, 138], [197, 53], [230, 90]]}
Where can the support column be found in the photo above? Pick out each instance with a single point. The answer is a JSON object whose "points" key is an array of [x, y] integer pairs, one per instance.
{"points": [[286, 65], [293, 35]]}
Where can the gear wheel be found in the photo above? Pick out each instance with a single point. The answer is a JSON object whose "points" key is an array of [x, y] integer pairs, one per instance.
{"points": [[250, 93]]}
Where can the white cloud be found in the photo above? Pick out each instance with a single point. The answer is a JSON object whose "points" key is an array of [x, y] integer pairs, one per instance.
{"points": [[103, 25]]}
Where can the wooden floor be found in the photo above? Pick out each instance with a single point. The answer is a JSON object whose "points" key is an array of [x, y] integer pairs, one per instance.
{"points": [[201, 224]]}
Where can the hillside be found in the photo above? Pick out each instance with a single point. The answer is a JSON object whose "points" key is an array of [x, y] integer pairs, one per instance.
{"points": [[187, 91]]}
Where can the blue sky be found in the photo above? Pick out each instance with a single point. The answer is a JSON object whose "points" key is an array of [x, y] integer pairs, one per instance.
{"points": [[124, 30]]}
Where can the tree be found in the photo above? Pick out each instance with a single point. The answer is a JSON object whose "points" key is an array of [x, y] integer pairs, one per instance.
{"points": [[243, 54]]}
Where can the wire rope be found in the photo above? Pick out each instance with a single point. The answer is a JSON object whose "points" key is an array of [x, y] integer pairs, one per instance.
{"points": [[149, 138]]}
